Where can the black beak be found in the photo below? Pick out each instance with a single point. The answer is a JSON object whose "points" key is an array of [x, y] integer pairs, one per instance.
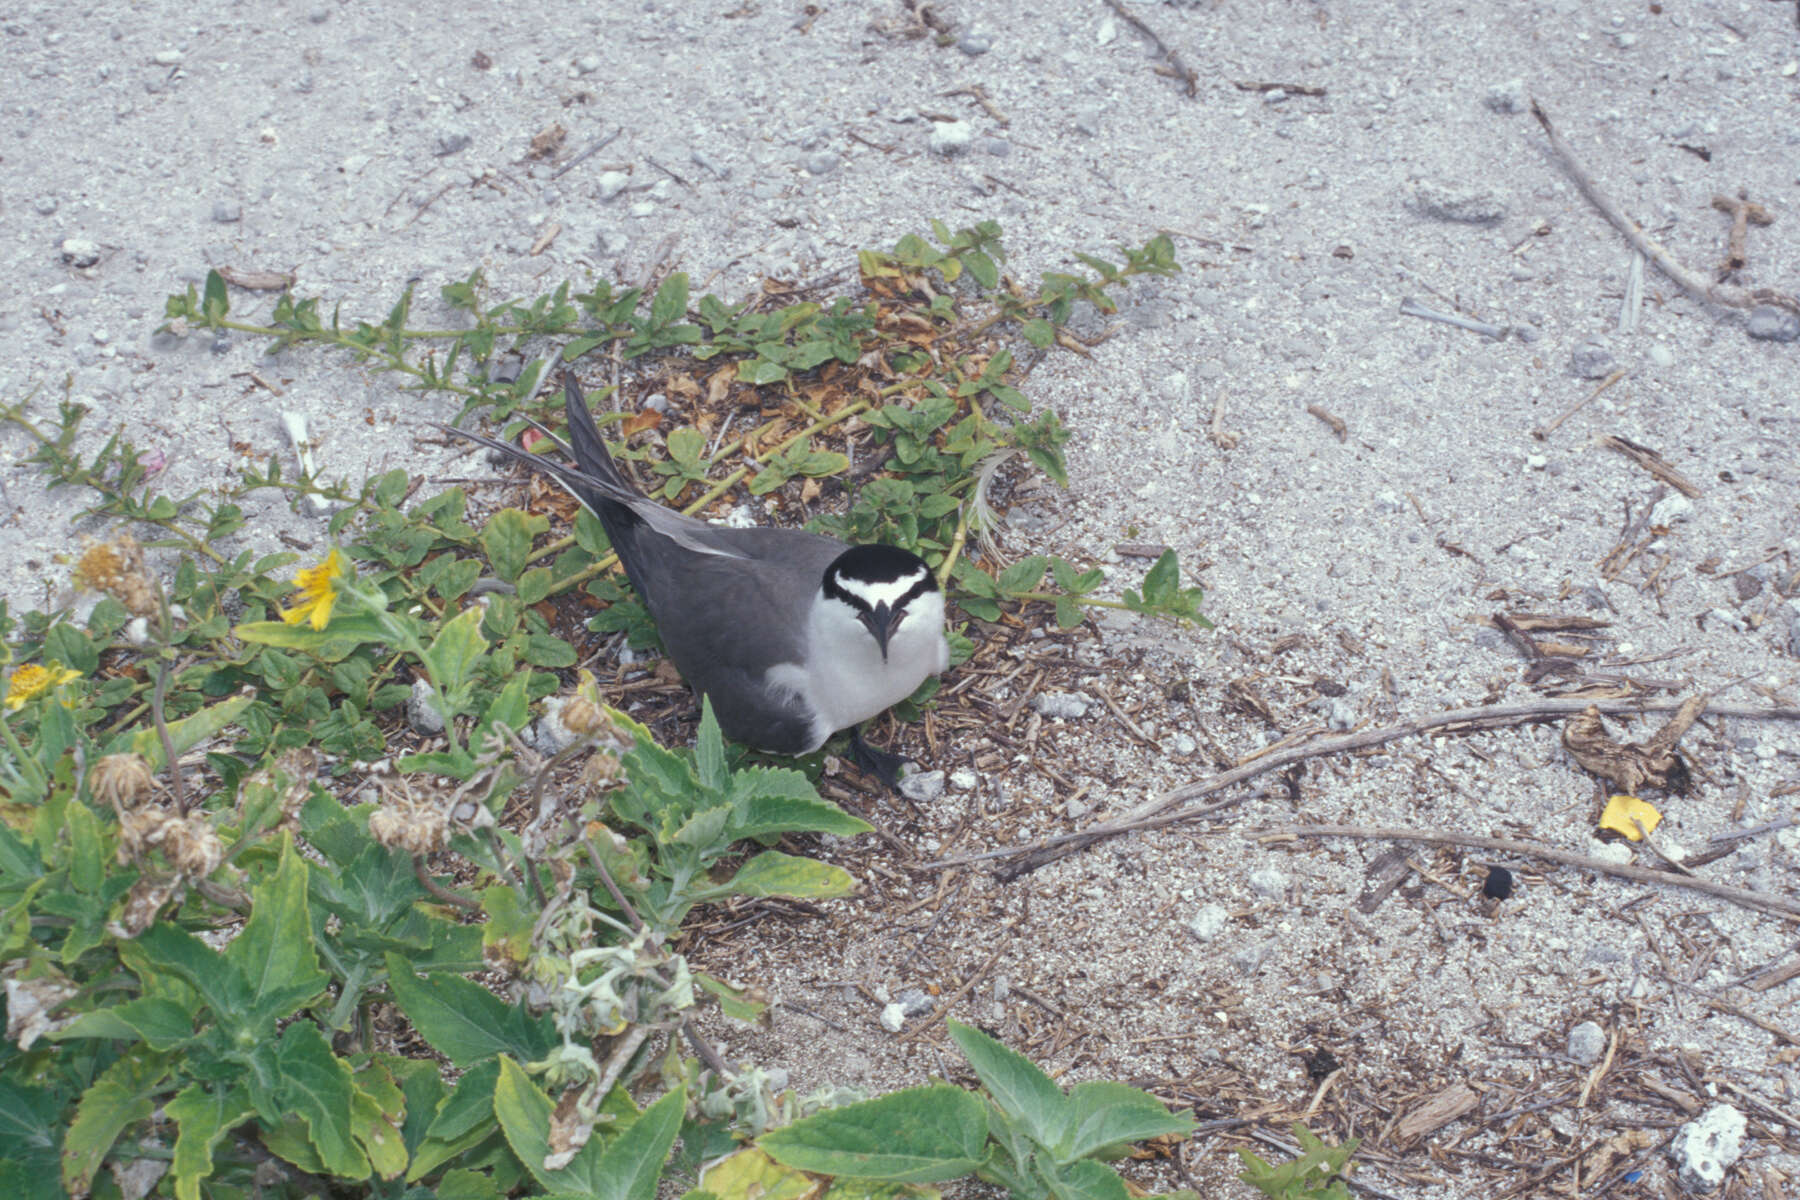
{"points": [[880, 622]]}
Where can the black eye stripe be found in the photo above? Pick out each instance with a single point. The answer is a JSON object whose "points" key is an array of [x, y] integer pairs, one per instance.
{"points": [[835, 589]]}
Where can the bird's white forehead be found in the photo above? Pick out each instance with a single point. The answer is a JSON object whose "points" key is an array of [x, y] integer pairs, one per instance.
{"points": [[888, 591]]}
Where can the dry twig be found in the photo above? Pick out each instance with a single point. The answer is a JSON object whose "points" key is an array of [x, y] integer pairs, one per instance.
{"points": [[1692, 281], [1157, 814], [1177, 68]]}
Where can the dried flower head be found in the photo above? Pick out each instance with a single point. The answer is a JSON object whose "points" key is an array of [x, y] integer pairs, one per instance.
{"points": [[117, 569], [121, 780], [32, 680], [406, 823], [193, 846], [144, 903], [140, 829]]}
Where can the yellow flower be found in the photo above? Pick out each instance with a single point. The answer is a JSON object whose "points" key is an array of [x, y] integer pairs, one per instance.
{"points": [[32, 680], [319, 587]]}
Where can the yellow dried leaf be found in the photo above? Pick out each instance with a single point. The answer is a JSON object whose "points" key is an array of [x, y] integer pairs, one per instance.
{"points": [[1622, 811]]}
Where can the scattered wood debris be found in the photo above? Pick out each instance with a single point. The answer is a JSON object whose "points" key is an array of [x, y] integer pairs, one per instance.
{"points": [[1630, 767]]}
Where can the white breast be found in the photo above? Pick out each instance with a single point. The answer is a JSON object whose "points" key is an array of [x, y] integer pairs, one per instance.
{"points": [[844, 680]]}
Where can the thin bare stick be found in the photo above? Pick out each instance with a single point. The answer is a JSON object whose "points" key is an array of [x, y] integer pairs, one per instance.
{"points": [[1760, 901], [592, 150], [1155, 814], [1177, 68], [1542, 432], [1691, 281]]}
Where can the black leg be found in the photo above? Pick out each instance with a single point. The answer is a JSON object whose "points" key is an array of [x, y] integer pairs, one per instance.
{"points": [[879, 763]]}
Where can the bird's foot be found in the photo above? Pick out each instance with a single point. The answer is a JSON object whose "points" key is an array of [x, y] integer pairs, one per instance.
{"points": [[879, 763]]}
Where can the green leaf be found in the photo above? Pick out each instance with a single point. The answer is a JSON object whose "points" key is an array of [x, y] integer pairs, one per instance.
{"points": [[1024, 575], [119, 1098], [1087, 1180], [202, 1119], [983, 269], [780, 800], [918, 1135], [670, 304], [87, 853], [1106, 1116], [507, 539], [1068, 612], [734, 1002], [709, 751], [1023, 1092], [275, 953], [301, 1077], [773, 873], [625, 1169], [215, 302], [456, 651], [31, 1124], [506, 934], [165, 948], [159, 1021], [186, 733], [1039, 332], [632, 1164], [463, 1020]]}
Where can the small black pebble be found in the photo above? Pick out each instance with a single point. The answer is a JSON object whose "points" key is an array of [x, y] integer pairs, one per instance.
{"points": [[1499, 884]]}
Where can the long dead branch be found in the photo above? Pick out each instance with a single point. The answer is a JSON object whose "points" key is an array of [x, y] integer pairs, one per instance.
{"points": [[1156, 814], [1699, 285]]}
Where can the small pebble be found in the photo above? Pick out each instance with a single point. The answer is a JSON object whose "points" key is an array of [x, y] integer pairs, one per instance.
{"points": [[1070, 706], [950, 137], [587, 64], [893, 1018], [1706, 1148], [166, 58], [1508, 97], [1087, 120], [80, 252], [922, 787], [702, 159], [612, 183], [976, 42], [421, 711], [44, 206], [227, 211], [1537, 462], [1587, 1042], [820, 162], [1209, 922], [1771, 324], [1462, 206], [998, 147], [964, 780], [1182, 744], [1590, 360], [1671, 509], [1269, 883], [319, 16], [453, 141], [1661, 356]]}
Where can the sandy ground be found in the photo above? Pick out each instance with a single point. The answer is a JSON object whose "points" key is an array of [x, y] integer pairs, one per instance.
{"points": [[1377, 498]]}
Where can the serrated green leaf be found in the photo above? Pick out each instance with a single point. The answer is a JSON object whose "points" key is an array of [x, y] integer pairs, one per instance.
{"points": [[1021, 1089], [773, 873], [300, 1077], [464, 1021], [779, 800], [917, 1135], [121, 1097], [274, 953], [202, 1119]]}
